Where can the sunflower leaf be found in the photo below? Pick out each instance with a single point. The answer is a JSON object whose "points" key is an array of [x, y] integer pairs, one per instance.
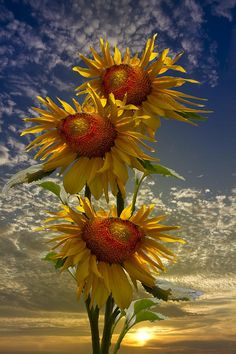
{"points": [[29, 175], [148, 316], [143, 304], [56, 189], [50, 257], [159, 169], [140, 310], [159, 293], [58, 262], [52, 187], [168, 291]]}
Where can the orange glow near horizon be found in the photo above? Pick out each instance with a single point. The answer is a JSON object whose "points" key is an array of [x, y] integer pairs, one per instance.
{"points": [[143, 335]]}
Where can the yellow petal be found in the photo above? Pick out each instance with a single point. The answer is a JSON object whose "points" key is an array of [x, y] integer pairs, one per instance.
{"points": [[76, 177], [96, 186], [121, 288], [138, 271], [82, 271], [86, 205], [120, 169], [59, 161], [148, 51], [94, 267], [67, 107], [77, 248], [117, 56], [91, 63], [103, 268], [85, 72], [81, 256], [107, 163], [101, 294], [126, 213], [36, 129]]}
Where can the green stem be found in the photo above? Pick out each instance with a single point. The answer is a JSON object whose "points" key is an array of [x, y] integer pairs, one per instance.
{"points": [[93, 315], [120, 338], [138, 183], [119, 202], [87, 192], [108, 324]]}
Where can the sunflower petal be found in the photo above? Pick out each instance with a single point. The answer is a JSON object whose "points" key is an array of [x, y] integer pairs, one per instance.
{"points": [[120, 281]]}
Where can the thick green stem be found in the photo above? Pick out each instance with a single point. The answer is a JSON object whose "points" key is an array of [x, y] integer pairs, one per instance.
{"points": [[93, 315], [110, 316], [119, 203], [108, 324]]}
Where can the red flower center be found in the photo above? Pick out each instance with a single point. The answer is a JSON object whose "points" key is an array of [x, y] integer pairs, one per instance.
{"points": [[122, 79], [112, 240], [88, 134]]}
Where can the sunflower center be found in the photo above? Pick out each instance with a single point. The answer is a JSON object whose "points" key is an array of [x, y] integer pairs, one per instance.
{"points": [[124, 79], [88, 134], [112, 240]]}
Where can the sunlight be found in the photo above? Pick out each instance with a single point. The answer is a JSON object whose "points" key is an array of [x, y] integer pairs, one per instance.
{"points": [[142, 335]]}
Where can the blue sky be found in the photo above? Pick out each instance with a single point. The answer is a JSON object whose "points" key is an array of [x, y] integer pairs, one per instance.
{"points": [[40, 41]]}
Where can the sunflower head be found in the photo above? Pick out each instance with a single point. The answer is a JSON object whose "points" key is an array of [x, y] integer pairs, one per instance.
{"points": [[109, 252], [140, 79], [88, 134], [93, 143], [124, 80], [111, 239]]}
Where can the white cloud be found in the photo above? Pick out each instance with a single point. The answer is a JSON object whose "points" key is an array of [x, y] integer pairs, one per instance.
{"points": [[4, 155], [32, 292], [64, 29]]}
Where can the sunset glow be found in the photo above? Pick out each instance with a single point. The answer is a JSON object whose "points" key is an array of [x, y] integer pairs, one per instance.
{"points": [[40, 44], [143, 335]]}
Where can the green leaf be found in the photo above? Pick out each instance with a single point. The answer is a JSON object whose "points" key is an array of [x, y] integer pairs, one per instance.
{"points": [[56, 189], [29, 175], [192, 116], [52, 187], [137, 309], [50, 257], [148, 316], [168, 291], [159, 169], [158, 292], [143, 304], [58, 262]]}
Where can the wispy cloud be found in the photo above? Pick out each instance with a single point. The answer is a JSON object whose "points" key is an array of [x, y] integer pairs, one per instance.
{"points": [[223, 8], [205, 263]]}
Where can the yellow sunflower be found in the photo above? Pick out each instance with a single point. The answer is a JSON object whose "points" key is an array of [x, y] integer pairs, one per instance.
{"points": [[108, 252], [141, 81], [92, 145]]}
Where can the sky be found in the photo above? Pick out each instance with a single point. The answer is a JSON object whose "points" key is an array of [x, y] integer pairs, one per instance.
{"points": [[40, 42]]}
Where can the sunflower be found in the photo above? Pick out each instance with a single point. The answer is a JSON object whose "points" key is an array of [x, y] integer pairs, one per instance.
{"points": [[109, 252], [141, 82], [92, 145]]}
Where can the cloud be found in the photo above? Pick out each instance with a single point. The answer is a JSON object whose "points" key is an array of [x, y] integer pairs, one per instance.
{"points": [[62, 30], [35, 299], [4, 155], [223, 8], [207, 223]]}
